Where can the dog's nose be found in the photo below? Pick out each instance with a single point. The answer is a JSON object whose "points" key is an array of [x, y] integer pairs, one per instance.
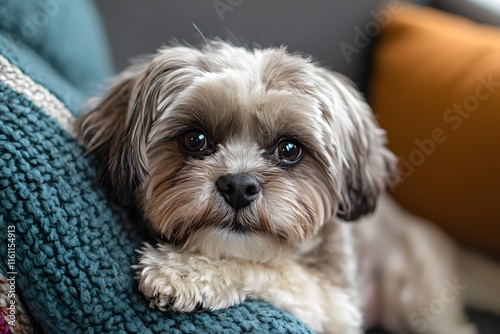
{"points": [[238, 190]]}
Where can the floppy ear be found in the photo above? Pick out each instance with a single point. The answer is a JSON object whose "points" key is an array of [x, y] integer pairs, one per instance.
{"points": [[115, 129], [365, 166], [117, 126]]}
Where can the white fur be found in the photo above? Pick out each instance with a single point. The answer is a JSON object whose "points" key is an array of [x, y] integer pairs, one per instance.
{"points": [[409, 277], [195, 280]]}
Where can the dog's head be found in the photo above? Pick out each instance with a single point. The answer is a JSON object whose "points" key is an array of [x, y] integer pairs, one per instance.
{"points": [[234, 152]]}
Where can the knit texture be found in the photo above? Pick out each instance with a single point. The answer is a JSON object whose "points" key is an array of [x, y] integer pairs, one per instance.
{"points": [[4, 327], [75, 248], [14, 318]]}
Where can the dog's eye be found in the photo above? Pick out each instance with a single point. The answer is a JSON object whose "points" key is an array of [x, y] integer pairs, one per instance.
{"points": [[288, 152], [194, 142]]}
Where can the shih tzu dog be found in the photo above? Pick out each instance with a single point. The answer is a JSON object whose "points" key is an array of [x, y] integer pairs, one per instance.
{"points": [[248, 164]]}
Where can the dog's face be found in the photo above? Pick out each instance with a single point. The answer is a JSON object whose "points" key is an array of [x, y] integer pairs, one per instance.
{"points": [[238, 153]]}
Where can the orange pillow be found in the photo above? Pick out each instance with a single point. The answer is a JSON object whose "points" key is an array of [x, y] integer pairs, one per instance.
{"points": [[436, 89]]}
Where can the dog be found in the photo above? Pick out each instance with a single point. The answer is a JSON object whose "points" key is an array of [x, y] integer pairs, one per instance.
{"points": [[264, 176]]}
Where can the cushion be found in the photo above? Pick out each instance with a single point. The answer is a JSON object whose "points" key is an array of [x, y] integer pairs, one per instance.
{"points": [[74, 248], [436, 89], [67, 34]]}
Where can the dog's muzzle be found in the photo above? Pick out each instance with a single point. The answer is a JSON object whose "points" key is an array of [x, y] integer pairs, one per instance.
{"points": [[238, 190]]}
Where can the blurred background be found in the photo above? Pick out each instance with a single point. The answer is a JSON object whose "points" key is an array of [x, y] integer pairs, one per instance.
{"points": [[316, 27]]}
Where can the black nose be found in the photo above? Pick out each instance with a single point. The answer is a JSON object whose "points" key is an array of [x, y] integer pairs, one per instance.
{"points": [[238, 190]]}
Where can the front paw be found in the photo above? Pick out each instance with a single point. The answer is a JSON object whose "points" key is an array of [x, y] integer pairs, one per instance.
{"points": [[184, 282]]}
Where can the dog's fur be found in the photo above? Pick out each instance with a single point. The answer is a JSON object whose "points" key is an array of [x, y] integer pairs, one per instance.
{"points": [[290, 246]]}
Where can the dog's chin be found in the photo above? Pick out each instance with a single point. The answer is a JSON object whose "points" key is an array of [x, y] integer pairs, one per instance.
{"points": [[220, 243]]}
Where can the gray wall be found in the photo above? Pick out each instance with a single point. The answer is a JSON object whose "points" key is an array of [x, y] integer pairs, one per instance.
{"points": [[318, 28]]}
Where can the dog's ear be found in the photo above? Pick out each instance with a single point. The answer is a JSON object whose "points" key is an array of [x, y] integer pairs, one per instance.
{"points": [[114, 129], [364, 165], [117, 126]]}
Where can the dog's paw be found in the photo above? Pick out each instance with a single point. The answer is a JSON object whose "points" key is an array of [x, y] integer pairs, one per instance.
{"points": [[184, 282]]}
